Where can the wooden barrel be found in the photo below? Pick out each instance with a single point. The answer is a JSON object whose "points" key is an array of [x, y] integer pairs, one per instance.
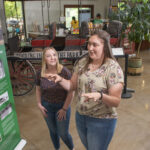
{"points": [[135, 62], [135, 71]]}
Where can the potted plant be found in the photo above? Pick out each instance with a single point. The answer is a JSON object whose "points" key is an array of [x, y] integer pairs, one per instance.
{"points": [[135, 15]]}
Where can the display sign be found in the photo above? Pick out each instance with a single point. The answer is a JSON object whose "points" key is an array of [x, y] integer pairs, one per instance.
{"points": [[9, 130], [118, 51], [61, 54]]}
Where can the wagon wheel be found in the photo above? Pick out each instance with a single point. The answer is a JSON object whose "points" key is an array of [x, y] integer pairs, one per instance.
{"points": [[22, 75]]}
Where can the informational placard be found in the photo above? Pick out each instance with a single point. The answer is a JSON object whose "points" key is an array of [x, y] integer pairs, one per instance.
{"points": [[118, 51], [9, 130]]}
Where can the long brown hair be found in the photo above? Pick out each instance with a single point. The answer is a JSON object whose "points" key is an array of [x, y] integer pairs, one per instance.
{"points": [[44, 66], [107, 48]]}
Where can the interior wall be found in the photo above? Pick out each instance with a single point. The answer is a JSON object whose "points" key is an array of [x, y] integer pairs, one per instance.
{"points": [[33, 12], [102, 7]]}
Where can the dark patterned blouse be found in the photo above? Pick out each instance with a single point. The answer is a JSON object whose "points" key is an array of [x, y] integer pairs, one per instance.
{"points": [[51, 91]]}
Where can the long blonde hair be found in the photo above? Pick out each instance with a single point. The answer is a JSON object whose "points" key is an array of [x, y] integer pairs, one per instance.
{"points": [[44, 66]]}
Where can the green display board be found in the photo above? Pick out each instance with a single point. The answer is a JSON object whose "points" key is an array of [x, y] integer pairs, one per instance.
{"points": [[9, 130]]}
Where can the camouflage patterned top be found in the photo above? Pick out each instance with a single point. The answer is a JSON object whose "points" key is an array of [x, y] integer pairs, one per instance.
{"points": [[103, 78]]}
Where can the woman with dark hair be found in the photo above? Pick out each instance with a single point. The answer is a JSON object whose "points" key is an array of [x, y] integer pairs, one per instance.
{"points": [[53, 100], [74, 23], [98, 83]]}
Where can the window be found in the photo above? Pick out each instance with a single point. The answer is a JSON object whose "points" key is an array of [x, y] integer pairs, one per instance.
{"points": [[82, 14]]}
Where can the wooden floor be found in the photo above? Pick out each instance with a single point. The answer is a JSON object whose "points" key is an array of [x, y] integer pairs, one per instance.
{"points": [[133, 128]]}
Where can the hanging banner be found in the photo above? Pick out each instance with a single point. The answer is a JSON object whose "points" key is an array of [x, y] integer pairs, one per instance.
{"points": [[61, 54], [9, 130]]}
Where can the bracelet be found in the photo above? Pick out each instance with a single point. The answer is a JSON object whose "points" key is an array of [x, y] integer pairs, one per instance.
{"points": [[101, 93], [64, 109]]}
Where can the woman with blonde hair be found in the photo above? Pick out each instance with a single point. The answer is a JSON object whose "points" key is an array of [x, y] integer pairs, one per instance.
{"points": [[53, 100]]}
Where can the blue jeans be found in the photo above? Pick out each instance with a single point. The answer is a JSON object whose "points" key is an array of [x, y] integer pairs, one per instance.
{"points": [[58, 128], [95, 133]]}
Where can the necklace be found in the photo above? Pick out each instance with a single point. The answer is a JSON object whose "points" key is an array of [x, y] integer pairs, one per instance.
{"points": [[93, 67]]}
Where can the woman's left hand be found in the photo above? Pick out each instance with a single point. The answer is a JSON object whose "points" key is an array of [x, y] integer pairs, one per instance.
{"points": [[95, 96], [61, 115]]}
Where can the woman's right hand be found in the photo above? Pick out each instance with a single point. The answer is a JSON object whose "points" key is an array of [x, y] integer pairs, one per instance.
{"points": [[54, 77], [43, 110]]}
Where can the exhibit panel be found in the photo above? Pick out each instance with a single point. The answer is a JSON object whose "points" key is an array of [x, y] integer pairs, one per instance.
{"points": [[9, 129]]}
